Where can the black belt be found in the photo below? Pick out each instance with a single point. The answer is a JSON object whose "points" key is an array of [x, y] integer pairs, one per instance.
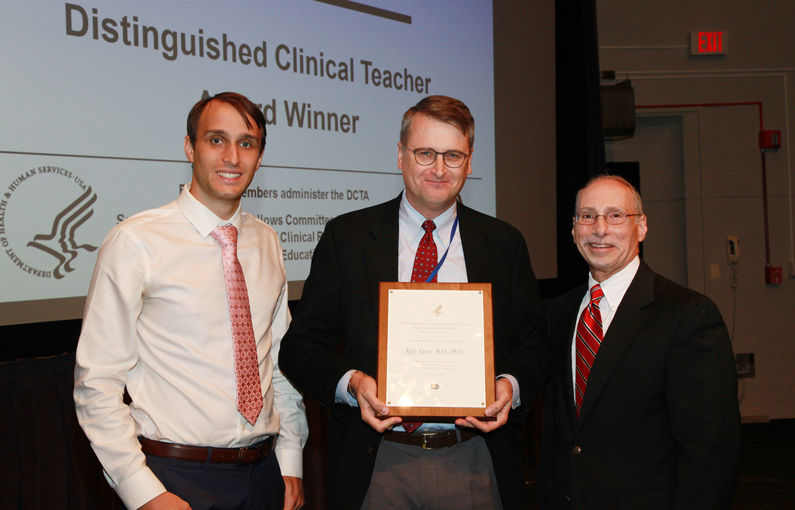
{"points": [[244, 455], [431, 440]]}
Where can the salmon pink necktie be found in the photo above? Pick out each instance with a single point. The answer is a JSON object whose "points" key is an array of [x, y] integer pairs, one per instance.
{"points": [[249, 389], [589, 339]]}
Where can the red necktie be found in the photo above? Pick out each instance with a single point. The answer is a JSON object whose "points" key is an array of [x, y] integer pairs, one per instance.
{"points": [[426, 258], [589, 338], [249, 389], [424, 262]]}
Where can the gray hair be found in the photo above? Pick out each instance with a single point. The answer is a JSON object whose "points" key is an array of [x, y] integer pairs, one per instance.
{"points": [[616, 178]]}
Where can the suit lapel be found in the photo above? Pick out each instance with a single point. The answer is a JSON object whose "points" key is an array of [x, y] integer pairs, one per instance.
{"points": [[381, 249], [622, 332], [564, 348], [473, 239]]}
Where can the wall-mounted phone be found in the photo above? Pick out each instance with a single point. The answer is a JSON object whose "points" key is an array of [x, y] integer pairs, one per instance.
{"points": [[733, 249]]}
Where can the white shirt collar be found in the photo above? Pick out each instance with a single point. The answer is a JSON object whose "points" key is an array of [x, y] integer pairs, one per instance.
{"points": [[201, 217], [411, 223], [616, 286]]}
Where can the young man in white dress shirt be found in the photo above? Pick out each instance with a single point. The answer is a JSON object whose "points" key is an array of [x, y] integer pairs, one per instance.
{"points": [[157, 322]]}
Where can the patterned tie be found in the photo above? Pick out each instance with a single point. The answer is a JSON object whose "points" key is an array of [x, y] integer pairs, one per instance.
{"points": [[249, 389], [589, 338], [427, 257], [424, 262]]}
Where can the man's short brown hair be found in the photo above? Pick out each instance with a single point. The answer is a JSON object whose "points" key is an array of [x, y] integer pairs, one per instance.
{"points": [[443, 109], [239, 102]]}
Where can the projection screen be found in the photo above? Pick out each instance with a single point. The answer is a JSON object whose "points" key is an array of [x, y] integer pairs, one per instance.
{"points": [[96, 95]]}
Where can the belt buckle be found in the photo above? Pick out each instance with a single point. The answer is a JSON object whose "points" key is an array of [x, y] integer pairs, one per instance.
{"points": [[425, 436], [244, 449]]}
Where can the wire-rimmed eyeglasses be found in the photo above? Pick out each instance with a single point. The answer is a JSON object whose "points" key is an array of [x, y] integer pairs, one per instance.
{"points": [[616, 217]]}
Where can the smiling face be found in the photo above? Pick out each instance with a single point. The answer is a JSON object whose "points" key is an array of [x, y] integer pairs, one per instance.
{"points": [[431, 190], [608, 248], [225, 157]]}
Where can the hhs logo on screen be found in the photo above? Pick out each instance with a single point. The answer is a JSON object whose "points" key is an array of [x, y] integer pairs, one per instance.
{"points": [[41, 212]]}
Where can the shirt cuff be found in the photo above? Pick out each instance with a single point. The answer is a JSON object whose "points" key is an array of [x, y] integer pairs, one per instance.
{"points": [[139, 489], [342, 395], [291, 461], [517, 397]]}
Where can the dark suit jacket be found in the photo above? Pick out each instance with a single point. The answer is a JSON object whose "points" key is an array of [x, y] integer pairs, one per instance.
{"points": [[660, 422], [340, 306]]}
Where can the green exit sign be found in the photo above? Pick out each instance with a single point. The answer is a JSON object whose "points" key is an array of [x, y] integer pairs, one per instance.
{"points": [[709, 43]]}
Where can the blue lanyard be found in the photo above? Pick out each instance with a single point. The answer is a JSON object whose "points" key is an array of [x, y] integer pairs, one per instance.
{"points": [[439, 265]]}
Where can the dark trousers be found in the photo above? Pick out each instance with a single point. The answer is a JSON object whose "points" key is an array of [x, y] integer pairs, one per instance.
{"points": [[222, 486]]}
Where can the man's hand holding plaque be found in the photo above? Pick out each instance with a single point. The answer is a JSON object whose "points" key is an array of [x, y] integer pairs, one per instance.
{"points": [[499, 409], [364, 388]]}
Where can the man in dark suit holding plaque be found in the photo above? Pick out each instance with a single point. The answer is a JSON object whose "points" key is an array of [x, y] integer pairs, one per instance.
{"points": [[641, 411], [381, 463]]}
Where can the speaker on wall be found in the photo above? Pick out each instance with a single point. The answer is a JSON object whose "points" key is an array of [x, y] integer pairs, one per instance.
{"points": [[618, 110]]}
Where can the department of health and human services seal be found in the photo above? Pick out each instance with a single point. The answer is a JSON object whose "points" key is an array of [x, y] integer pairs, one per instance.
{"points": [[435, 309], [41, 211]]}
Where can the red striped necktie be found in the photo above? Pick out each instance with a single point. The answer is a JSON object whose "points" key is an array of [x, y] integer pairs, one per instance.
{"points": [[589, 338]]}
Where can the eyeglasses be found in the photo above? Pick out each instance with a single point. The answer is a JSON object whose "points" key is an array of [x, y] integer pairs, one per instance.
{"points": [[612, 217], [427, 157]]}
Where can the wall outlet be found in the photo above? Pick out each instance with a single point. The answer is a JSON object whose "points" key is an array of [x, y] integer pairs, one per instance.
{"points": [[745, 365]]}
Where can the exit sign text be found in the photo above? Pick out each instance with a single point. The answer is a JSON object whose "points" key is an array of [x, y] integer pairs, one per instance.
{"points": [[709, 43]]}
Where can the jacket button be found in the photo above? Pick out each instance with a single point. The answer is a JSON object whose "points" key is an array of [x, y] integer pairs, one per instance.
{"points": [[568, 499], [370, 449], [576, 450]]}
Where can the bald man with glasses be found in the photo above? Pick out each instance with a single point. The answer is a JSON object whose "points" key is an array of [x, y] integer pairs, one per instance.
{"points": [[641, 410]]}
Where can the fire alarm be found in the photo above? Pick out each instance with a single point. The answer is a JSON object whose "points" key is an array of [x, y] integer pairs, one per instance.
{"points": [[773, 275], [769, 139]]}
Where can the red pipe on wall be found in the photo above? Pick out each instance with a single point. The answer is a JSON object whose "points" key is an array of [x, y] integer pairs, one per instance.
{"points": [[764, 168]]}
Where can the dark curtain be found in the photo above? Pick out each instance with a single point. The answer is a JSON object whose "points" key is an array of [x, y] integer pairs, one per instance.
{"points": [[47, 461], [316, 455], [580, 140]]}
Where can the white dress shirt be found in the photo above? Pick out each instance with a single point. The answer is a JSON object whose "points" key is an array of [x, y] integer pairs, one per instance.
{"points": [[453, 270], [411, 233], [614, 289], [157, 322]]}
